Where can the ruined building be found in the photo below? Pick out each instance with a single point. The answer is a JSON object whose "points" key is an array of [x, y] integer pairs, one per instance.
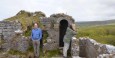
{"points": [[56, 26], [12, 38]]}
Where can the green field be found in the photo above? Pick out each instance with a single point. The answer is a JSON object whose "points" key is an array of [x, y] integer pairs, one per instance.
{"points": [[103, 33]]}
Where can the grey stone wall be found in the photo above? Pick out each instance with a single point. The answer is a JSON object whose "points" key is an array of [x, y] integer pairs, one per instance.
{"points": [[8, 37], [52, 25], [7, 29]]}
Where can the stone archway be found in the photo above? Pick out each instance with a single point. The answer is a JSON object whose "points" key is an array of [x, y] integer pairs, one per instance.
{"points": [[62, 30]]}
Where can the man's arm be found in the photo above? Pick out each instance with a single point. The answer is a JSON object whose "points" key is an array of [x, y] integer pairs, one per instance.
{"points": [[73, 32]]}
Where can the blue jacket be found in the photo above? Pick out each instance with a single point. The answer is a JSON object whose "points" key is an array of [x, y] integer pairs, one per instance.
{"points": [[36, 34]]}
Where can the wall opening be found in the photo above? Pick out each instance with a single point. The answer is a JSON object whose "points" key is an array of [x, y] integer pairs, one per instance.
{"points": [[62, 30]]}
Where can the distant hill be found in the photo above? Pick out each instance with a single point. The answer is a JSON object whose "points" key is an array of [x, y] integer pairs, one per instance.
{"points": [[95, 23], [26, 18]]}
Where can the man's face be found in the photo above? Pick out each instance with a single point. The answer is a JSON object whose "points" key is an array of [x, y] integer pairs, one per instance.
{"points": [[35, 25]]}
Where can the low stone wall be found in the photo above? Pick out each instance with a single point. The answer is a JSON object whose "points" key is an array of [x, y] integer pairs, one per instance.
{"points": [[89, 48]]}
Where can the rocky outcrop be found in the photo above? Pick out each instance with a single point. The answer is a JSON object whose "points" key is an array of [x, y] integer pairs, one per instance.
{"points": [[89, 48]]}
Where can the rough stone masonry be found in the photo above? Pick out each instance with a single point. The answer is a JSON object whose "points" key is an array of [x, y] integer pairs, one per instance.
{"points": [[9, 39], [56, 26]]}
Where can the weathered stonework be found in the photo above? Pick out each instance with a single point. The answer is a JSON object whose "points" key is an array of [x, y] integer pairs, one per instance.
{"points": [[52, 25], [75, 47], [89, 48], [7, 29], [9, 37]]}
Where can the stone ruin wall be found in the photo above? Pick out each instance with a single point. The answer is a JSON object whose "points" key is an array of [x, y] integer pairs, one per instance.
{"points": [[12, 41], [52, 27], [7, 29], [9, 39]]}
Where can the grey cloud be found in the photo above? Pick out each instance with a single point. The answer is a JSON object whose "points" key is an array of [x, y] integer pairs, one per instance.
{"points": [[81, 10]]}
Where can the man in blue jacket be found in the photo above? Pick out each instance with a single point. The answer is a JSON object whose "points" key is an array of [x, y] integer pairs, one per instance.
{"points": [[36, 36]]}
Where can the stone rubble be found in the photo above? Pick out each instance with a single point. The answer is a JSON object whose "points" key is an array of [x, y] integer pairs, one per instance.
{"points": [[89, 48]]}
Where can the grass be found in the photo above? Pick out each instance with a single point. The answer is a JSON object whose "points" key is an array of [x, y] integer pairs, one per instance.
{"points": [[103, 34], [52, 53], [26, 18], [15, 52], [46, 54]]}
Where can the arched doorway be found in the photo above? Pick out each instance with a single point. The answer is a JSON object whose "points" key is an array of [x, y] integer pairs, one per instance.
{"points": [[62, 30]]}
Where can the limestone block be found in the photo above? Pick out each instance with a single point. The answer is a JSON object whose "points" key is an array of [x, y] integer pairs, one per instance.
{"points": [[75, 47]]}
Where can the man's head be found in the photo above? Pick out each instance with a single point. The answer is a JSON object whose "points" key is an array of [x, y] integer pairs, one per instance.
{"points": [[35, 25]]}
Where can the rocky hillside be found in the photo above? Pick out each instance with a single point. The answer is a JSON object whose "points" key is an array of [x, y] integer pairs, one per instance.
{"points": [[26, 18]]}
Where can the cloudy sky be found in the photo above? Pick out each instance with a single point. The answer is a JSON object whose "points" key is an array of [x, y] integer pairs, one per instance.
{"points": [[80, 10]]}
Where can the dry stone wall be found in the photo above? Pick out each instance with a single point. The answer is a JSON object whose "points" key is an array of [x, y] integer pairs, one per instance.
{"points": [[10, 39]]}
